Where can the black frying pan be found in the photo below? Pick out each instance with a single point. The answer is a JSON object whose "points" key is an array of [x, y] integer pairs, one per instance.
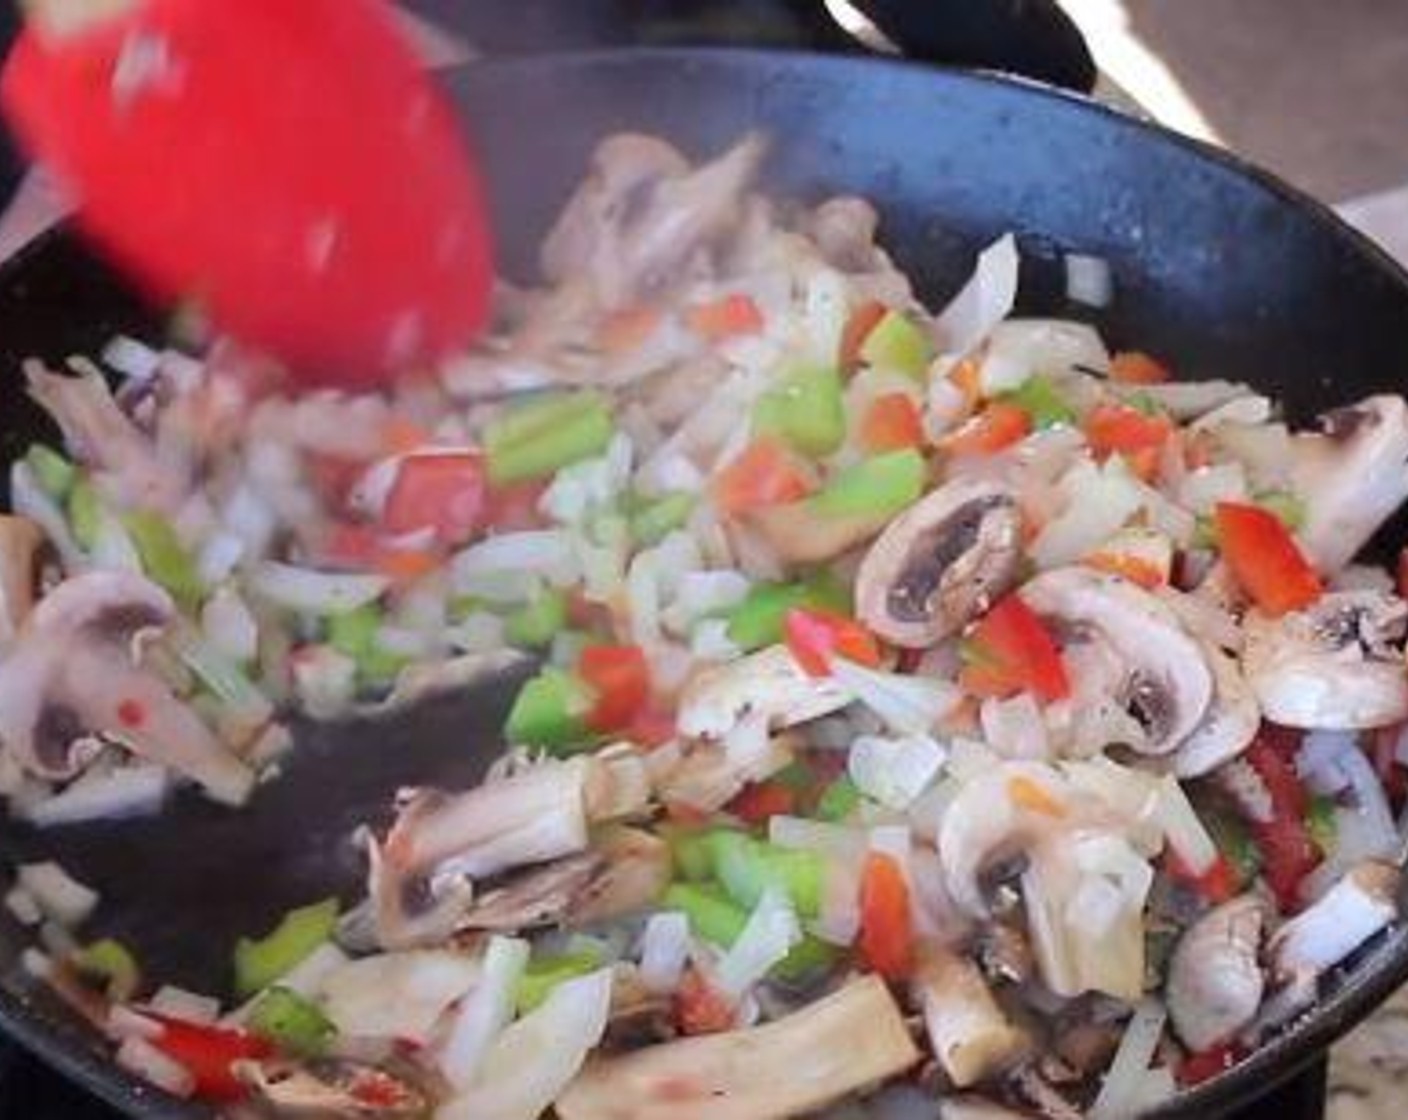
{"points": [[1218, 268]]}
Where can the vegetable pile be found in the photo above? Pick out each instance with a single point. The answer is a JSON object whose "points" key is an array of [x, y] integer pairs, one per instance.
{"points": [[927, 706]]}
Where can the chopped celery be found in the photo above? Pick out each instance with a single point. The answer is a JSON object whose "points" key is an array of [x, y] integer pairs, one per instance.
{"points": [[164, 557], [714, 917], [896, 343], [535, 624], [1321, 824], [882, 485], [550, 711], [1289, 507], [295, 1025], [83, 512], [654, 519], [747, 867], [545, 434], [839, 801], [806, 411], [757, 621], [354, 633], [259, 963], [112, 963], [52, 471], [1040, 400], [543, 974]]}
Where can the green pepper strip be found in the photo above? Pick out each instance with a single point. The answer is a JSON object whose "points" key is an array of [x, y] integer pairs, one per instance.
{"points": [[259, 963], [112, 963], [164, 557], [354, 633], [714, 917], [652, 521], [550, 711], [747, 867], [1041, 401], [52, 471], [806, 410], [896, 343], [758, 620], [543, 974], [543, 435], [880, 486], [534, 625], [295, 1025], [839, 801]]}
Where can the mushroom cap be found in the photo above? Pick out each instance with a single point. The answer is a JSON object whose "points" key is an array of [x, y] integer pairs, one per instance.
{"points": [[940, 563], [1168, 685], [1229, 725], [1330, 666], [1215, 982]]}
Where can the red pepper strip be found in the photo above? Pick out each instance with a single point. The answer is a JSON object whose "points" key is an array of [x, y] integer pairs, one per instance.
{"points": [[858, 327], [759, 802], [732, 315], [1217, 884], [1265, 558], [765, 473], [699, 1008], [1134, 367], [1288, 852], [1009, 651], [1207, 1064], [208, 1053], [886, 938], [814, 637], [1117, 429], [999, 425], [891, 423], [440, 492], [620, 679]]}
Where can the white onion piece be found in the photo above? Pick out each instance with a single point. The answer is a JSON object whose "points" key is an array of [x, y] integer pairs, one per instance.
{"points": [[485, 1012], [128, 791], [664, 951], [136, 1055], [1021, 348], [61, 897], [230, 626], [834, 841], [28, 499], [543, 553], [984, 301], [309, 591], [894, 772], [1204, 487], [1014, 728], [1089, 280], [1184, 830], [219, 557], [178, 1003], [1098, 502], [131, 359], [397, 995], [582, 489], [908, 705], [771, 932], [1264, 449], [1122, 1088], [536, 1057]]}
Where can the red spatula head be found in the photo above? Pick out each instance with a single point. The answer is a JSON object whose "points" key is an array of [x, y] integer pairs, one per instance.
{"points": [[287, 163]]}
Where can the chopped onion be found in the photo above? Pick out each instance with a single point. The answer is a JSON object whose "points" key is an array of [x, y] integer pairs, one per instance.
{"points": [[908, 705], [1365, 830], [1187, 400], [128, 791], [1264, 449], [131, 359], [1249, 411], [1089, 280], [1184, 830], [586, 488], [1362, 577], [770, 934], [136, 1055], [309, 591], [546, 554], [535, 1058], [834, 841], [1098, 502], [178, 1003], [397, 995], [894, 771], [984, 301], [219, 557], [1317, 762], [485, 1012], [1204, 487], [58, 894], [1014, 727], [1021, 348], [28, 499], [664, 950], [229, 625], [1123, 1087]]}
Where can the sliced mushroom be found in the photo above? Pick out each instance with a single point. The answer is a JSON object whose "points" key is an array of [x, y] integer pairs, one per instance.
{"points": [[769, 682], [1215, 981], [1334, 665], [971, 1036], [851, 1039], [331, 1089], [1167, 685], [940, 563], [71, 676], [1228, 726], [1352, 477], [1362, 903], [20, 541]]}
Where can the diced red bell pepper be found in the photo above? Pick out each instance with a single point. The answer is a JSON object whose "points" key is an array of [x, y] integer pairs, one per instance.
{"points": [[999, 425], [814, 637], [1265, 558], [700, 1008], [444, 492], [1134, 367], [1194, 1069], [759, 802], [1010, 650], [333, 477], [857, 329], [891, 423], [620, 679], [1215, 885], [886, 937], [765, 473], [1288, 852], [653, 726], [1117, 429], [732, 315], [209, 1052]]}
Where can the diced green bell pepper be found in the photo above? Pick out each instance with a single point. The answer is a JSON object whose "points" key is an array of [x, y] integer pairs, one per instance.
{"points": [[653, 520], [54, 473], [691, 853], [897, 343], [1041, 401], [543, 974], [535, 624], [83, 512], [297, 1026], [719, 921], [806, 411], [747, 867], [259, 963], [757, 621], [882, 485], [112, 963], [354, 633], [839, 801], [550, 711], [540, 436], [164, 557]]}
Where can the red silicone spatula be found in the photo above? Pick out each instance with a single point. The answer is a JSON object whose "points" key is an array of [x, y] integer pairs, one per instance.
{"points": [[287, 163]]}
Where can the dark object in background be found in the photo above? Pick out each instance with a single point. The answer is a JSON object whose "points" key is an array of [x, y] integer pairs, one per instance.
{"points": [[1033, 38]]}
